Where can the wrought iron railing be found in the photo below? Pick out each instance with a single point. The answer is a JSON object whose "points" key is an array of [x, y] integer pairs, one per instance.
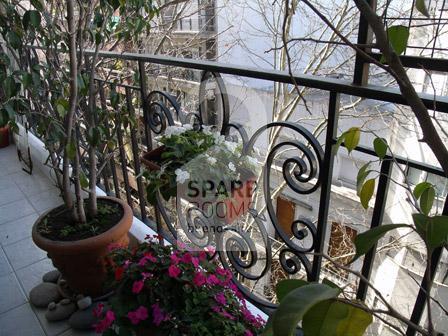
{"points": [[250, 254]]}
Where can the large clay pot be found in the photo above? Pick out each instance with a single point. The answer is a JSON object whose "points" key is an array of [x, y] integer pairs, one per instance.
{"points": [[82, 262], [4, 137]]}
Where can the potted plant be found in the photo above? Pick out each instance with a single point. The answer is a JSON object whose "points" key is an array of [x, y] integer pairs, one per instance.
{"points": [[59, 82], [166, 290], [204, 168]]}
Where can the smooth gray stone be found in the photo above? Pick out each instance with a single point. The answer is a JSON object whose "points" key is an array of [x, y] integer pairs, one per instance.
{"points": [[61, 312], [84, 303], [51, 276], [43, 294], [83, 319]]}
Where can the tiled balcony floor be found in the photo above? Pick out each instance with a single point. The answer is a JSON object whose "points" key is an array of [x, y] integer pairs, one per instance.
{"points": [[22, 198]]}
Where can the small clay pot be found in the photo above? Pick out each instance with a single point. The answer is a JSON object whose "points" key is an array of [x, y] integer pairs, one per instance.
{"points": [[4, 136], [153, 158]]}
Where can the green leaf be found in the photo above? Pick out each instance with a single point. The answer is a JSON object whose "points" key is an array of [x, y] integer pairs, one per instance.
{"points": [[62, 106], [70, 149], [366, 240], [83, 180], [330, 283], [31, 18], [366, 192], [27, 80], [335, 318], [285, 286], [38, 5], [352, 138], [421, 7], [10, 87], [420, 188], [398, 38], [14, 39], [295, 305], [427, 200], [380, 146], [338, 143], [433, 230], [361, 177]]}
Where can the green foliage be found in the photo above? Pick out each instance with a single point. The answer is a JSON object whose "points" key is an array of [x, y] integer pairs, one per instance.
{"points": [[398, 38], [433, 230], [366, 240], [192, 294], [366, 192], [31, 18], [426, 193], [336, 318], [284, 287], [421, 7], [380, 146]]}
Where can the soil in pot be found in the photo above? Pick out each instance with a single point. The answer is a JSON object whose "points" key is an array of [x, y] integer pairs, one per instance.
{"points": [[80, 252], [59, 225]]}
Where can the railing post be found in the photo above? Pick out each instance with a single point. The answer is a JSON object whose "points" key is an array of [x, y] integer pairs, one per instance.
{"points": [[361, 71], [148, 137], [377, 219], [135, 153], [326, 177]]}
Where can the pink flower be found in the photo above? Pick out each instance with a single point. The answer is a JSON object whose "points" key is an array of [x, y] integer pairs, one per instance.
{"points": [[221, 299], [195, 262], [248, 333], [181, 245], [186, 258], [150, 256], [175, 259], [174, 271], [202, 255], [137, 287], [226, 315], [213, 280], [216, 309], [147, 275], [210, 249], [105, 323], [138, 315], [199, 279], [158, 316], [98, 310]]}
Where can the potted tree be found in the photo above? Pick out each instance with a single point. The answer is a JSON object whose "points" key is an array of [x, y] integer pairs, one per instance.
{"points": [[58, 82]]}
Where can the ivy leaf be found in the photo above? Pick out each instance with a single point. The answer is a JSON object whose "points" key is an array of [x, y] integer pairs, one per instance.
{"points": [[398, 38], [433, 230], [427, 200], [366, 192], [421, 7], [351, 139], [285, 286], [296, 304], [380, 146], [366, 240], [31, 18]]}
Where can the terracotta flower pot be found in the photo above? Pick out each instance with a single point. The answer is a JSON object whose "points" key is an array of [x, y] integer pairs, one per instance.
{"points": [[153, 158], [82, 262], [4, 137]]}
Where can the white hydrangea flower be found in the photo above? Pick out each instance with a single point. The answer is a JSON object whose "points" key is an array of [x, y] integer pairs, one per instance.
{"points": [[232, 166], [252, 161], [219, 139], [231, 146], [188, 127], [181, 175], [208, 130], [211, 160]]}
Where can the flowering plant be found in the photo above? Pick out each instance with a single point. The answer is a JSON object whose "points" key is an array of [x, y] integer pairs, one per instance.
{"points": [[197, 157], [176, 292]]}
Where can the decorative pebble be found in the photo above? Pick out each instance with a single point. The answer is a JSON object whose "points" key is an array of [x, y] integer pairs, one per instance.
{"points": [[45, 293], [83, 319], [51, 276], [51, 306], [61, 312], [65, 302], [84, 303]]}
